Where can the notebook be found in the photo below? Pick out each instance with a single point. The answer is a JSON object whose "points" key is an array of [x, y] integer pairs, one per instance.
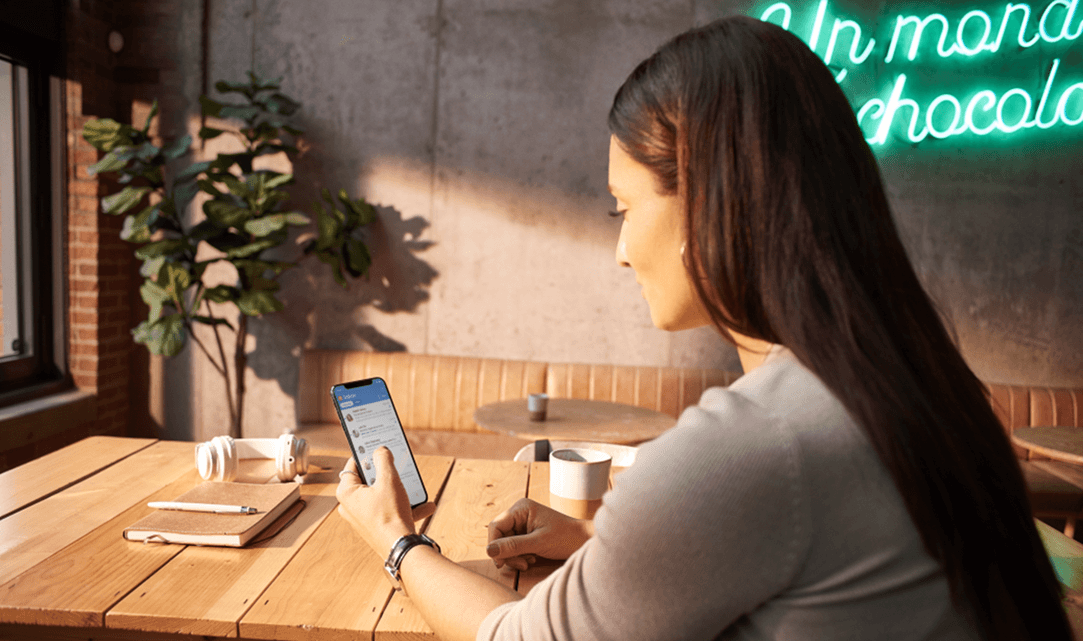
{"points": [[202, 528]]}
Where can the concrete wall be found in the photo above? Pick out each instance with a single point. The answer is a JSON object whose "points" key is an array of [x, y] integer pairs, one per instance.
{"points": [[478, 128]]}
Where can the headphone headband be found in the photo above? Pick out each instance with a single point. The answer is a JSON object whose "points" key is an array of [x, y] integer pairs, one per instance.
{"points": [[217, 458]]}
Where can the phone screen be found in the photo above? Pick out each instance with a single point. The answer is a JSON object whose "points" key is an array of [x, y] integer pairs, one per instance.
{"points": [[370, 420]]}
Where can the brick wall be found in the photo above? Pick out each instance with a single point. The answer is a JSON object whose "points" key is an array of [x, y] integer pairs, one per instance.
{"points": [[99, 262], [102, 279]]}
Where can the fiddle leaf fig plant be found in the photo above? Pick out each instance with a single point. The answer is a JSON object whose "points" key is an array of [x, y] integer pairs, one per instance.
{"points": [[245, 223]]}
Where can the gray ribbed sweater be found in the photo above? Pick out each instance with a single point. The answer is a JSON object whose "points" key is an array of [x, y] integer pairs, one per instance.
{"points": [[763, 514]]}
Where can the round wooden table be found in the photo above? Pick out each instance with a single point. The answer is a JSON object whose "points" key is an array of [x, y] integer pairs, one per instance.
{"points": [[572, 419], [1056, 442]]}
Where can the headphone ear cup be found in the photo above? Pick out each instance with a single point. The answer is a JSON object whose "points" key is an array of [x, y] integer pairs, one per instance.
{"points": [[291, 457], [227, 457], [205, 460], [300, 447]]}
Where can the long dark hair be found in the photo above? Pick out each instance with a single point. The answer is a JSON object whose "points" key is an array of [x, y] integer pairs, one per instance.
{"points": [[791, 240]]}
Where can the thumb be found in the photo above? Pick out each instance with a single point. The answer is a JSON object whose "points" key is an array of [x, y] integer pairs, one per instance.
{"points": [[510, 546]]}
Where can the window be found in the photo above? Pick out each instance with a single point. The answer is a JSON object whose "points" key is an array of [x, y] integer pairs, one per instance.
{"points": [[31, 172]]}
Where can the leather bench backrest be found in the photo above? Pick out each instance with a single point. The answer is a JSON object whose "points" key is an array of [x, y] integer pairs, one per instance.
{"points": [[430, 392], [1021, 406], [442, 392], [663, 389]]}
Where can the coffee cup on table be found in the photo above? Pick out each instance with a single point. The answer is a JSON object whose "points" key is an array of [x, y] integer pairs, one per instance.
{"points": [[537, 404], [578, 477]]}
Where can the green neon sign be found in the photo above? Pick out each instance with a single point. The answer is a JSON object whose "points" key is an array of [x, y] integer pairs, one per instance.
{"points": [[920, 41]]}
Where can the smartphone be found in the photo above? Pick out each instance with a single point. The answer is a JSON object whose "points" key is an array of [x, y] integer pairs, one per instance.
{"points": [[368, 415]]}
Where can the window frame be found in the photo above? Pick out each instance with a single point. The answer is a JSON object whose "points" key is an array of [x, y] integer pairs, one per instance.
{"points": [[42, 370]]}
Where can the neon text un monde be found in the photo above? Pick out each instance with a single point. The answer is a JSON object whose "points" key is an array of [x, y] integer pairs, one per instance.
{"points": [[976, 34]]}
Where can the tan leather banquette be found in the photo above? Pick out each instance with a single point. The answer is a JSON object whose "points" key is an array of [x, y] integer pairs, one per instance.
{"points": [[441, 392]]}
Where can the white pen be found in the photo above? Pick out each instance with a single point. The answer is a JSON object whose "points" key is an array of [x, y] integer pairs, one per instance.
{"points": [[202, 507]]}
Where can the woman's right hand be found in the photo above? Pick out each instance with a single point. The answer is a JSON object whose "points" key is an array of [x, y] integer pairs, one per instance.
{"points": [[529, 529]]}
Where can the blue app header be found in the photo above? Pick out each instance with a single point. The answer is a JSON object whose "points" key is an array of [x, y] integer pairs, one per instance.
{"points": [[361, 395]]}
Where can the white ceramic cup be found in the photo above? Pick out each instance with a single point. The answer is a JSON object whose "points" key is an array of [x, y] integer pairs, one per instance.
{"points": [[537, 404], [578, 477]]}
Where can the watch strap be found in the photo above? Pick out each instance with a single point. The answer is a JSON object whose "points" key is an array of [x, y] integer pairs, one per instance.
{"points": [[398, 553]]}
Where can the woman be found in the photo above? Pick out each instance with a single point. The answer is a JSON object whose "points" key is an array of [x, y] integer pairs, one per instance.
{"points": [[854, 484]]}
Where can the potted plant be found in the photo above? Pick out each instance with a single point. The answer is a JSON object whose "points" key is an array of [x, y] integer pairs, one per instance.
{"points": [[245, 221]]}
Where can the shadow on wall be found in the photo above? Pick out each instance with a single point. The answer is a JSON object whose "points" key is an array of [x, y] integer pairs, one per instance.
{"points": [[315, 305]]}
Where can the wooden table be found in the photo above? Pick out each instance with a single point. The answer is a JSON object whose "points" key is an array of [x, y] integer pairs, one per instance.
{"points": [[1056, 442], [66, 571], [572, 419]]}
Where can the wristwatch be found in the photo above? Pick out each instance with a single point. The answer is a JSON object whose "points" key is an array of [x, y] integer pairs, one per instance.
{"points": [[398, 552]]}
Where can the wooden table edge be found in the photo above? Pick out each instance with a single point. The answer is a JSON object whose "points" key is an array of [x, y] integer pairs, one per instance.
{"points": [[1052, 453]]}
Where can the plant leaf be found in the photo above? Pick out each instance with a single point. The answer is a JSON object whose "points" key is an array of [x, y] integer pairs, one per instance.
{"points": [[207, 186], [256, 268], [210, 133], [146, 151], [235, 186], [105, 133], [329, 229], [137, 226], [240, 112], [151, 266], [221, 293], [115, 160], [275, 182], [123, 200], [357, 256], [227, 241], [183, 195], [254, 248], [177, 279], [191, 171], [150, 117], [225, 213], [257, 303], [336, 266], [178, 147], [155, 297], [210, 107], [164, 336], [223, 86], [161, 248], [282, 104]]}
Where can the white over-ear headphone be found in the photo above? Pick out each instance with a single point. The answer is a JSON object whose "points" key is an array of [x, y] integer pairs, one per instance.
{"points": [[217, 459]]}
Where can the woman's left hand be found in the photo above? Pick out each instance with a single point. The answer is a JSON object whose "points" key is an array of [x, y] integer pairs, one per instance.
{"points": [[380, 513]]}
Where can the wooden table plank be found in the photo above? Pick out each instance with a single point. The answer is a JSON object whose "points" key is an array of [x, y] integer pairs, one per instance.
{"points": [[33, 534], [476, 491], [15, 632], [206, 590], [70, 588], [335, 587], [67, 466]]}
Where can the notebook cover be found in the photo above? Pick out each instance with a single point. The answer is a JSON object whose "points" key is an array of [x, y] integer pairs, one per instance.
{"points": [[201, 528]]}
